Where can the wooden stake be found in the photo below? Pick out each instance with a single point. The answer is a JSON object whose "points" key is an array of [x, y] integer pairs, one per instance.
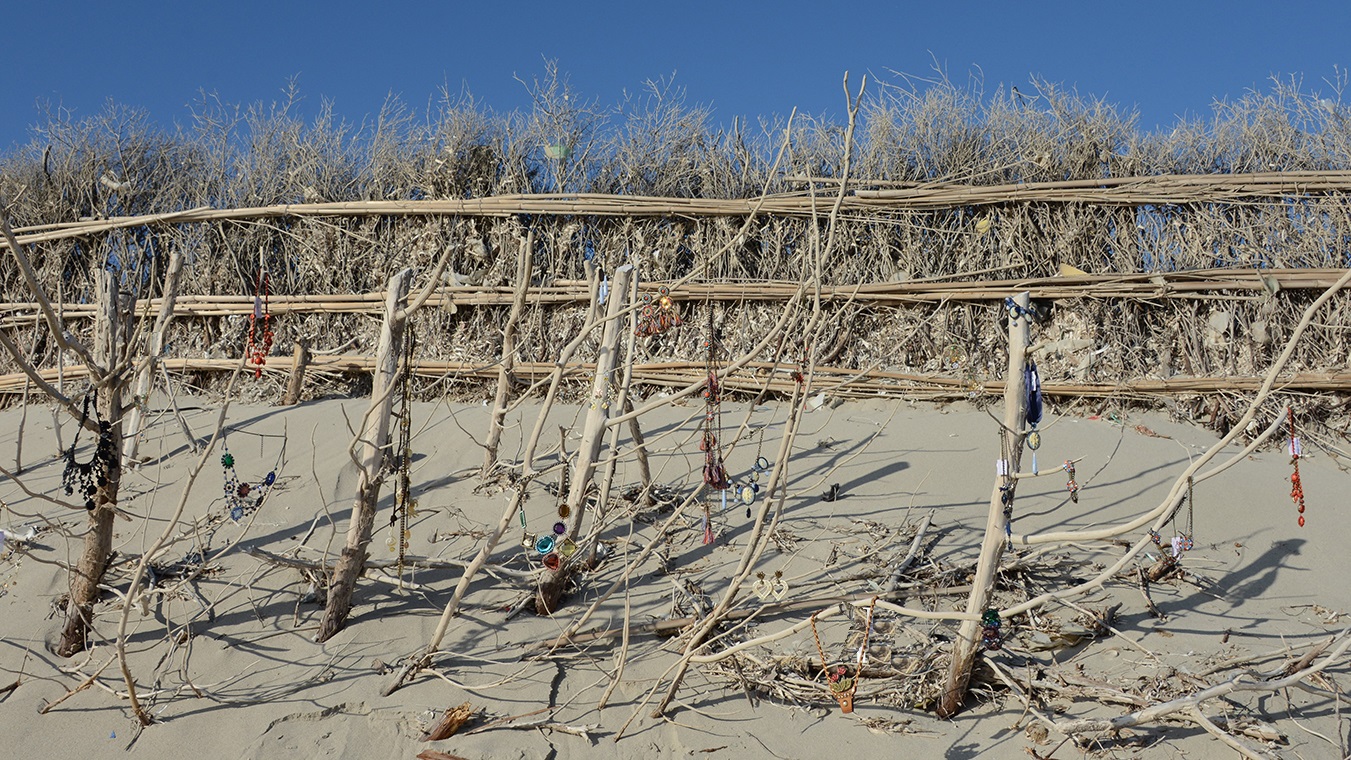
{"points": [[593, 432], [98, 539], [992, 548], [373, 441], [300, 361]]}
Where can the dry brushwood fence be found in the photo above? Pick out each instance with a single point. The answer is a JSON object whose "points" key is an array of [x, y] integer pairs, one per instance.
{"points": [[875, 259], [1198, 247]]}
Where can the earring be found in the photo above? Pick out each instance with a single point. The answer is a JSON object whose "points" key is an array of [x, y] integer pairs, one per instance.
{"points": [[762, 587]]}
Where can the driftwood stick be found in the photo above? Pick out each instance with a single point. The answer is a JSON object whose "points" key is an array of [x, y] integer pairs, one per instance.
{"points": [[427, 563], [992, 547], [148, 556], [23, 420], [85, 684], [424, 658], [63, 338], [910, 555], [193, 444], [505, 378], [372, 440], [300, 361]]}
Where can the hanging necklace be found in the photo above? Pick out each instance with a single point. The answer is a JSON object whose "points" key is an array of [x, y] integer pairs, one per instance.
{"points": [[260, 325], [1032, 384], [405, 506], [1007, 482], [88, 477], [843, 685], [1296, 450], [555, 546], [242, 497], [747, 490], [1181, 542]]}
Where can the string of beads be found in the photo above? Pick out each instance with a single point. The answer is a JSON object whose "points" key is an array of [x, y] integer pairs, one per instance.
{"points": [[260, 326], [991, 636], [1296, 486], [240, 496], [88, 477]]}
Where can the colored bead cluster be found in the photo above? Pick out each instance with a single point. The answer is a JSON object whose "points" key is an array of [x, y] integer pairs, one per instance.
{"points": [[553, 547], [990, 635], [1072, 486], [242, 497], [1296, 486], [88, 477], [260, 328], [657, 315]]}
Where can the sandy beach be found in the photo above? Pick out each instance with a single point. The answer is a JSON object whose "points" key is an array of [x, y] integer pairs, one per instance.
{"points": [[227, 666]]}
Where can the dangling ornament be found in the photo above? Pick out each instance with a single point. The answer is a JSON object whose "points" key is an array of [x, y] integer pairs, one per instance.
{"points": [[1296, 450], [88, 477], [241, 498], [844, 684], [1072, 485], [260, 325], [990, 634], [657, 314], [1032, 384]]}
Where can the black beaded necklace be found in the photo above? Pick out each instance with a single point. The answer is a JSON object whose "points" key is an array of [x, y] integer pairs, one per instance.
{"points": [[88, 477]]}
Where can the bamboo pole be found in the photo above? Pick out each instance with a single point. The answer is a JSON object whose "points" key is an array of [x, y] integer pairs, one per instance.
{"points": [[372, 441], [992, 547], [751, 377], [1121, 191], [1130, 285]]}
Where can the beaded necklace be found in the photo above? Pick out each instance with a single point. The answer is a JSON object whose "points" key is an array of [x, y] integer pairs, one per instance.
{"points": [[1296, 450], [747, 489], [991, 630], [88, 477], [553, 547], [843, 686], [260, 325], [242, 497]]}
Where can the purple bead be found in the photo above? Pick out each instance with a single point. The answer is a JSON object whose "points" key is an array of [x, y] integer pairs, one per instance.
{"points": [[560, 528]]}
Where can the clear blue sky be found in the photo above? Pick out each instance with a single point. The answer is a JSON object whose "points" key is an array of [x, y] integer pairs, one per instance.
{"points": [[1163, 59]]}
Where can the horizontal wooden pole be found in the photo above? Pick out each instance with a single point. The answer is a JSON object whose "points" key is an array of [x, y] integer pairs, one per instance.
{"points": [[1155, 286], [841, 382], [1118, 191]]}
